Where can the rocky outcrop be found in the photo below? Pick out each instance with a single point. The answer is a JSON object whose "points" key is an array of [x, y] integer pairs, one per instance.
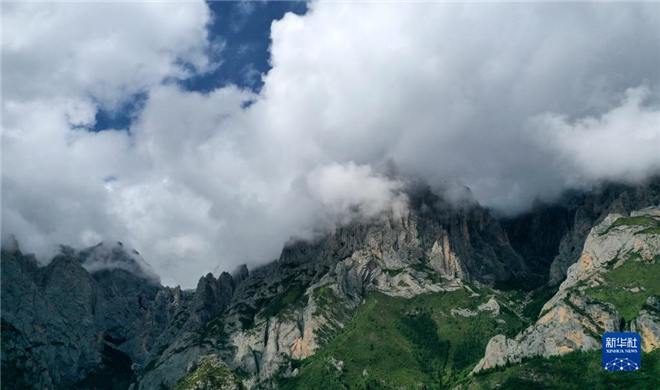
{"points": [[425, 249], [194, 331], [647, 324], [287, 309], [94, 316], [208, 373], [577, 316], [596, 205], [62, 324]]}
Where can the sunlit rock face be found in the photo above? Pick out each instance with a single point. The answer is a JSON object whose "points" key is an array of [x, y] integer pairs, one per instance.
{"points": [[616, 255]]}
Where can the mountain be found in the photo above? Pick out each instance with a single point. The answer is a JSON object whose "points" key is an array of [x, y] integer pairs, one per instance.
{"points": [[63, 325], [435, 296], [552, 235], [614, 287]]}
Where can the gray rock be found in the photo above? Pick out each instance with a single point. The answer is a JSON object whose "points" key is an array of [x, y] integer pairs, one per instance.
{"points": [[604, 200], [647, 324], [427, 248], [62, 324], [101, 314], [573, 320], [550, 237]]}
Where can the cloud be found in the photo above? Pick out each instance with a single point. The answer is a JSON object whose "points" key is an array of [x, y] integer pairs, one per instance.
{"points": [[517, 101], [444, 91], [350, 191], [112, 256], [103, 51], [622, 144]]}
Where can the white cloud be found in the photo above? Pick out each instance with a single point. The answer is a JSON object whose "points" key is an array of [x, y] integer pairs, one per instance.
{"points": [[350, 191], [61, 62], [103, 51], [622, 144], [516, 101]]}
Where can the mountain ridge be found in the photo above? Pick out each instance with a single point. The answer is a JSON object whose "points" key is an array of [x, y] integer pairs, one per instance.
{"points": [[259, 323]]}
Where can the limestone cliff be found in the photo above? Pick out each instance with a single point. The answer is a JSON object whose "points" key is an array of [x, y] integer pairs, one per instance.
{"points": [[613, 287], [286, 310]]}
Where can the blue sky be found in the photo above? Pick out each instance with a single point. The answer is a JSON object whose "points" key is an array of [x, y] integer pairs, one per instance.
{"points": [[242, 31]]}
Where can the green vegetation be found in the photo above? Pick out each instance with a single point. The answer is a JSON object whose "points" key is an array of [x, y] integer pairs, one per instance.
{"points": [[636, 221], [393, 342], [424, 266], [629, 275], [325, 298], [651, 230], [578, 370], [392, 272], [633, 221], [333, 310], [210, 372], [292, 297], [429, 351], [538, 298], [612, 262]]}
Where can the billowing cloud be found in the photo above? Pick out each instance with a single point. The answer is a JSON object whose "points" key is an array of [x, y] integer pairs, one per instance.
{"points": [[516, 101], [622, 144], [351, 191], [102, 51]]}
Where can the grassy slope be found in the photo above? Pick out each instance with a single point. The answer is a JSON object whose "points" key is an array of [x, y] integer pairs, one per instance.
{"points": [[417, 344], [578, 370], [389, 339], [619, 281], [583, 370], [641, 221], [414, 343]]}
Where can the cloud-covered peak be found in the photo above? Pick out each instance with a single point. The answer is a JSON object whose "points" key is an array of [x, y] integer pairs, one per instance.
{"points": [[517, 101], [349, 191], [108, 256]]}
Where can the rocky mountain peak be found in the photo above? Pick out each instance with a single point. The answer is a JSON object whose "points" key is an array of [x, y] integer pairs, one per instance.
{"points": [[212, 295], [114, 256], [262, 322], [240, 274]]}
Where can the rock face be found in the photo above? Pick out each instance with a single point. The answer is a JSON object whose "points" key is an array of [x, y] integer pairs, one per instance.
{"points": [[616, 251], [647, 324], [551, 236], [100, 309], [191, 333], [287, 309], [98, 318], [62, 325]]}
